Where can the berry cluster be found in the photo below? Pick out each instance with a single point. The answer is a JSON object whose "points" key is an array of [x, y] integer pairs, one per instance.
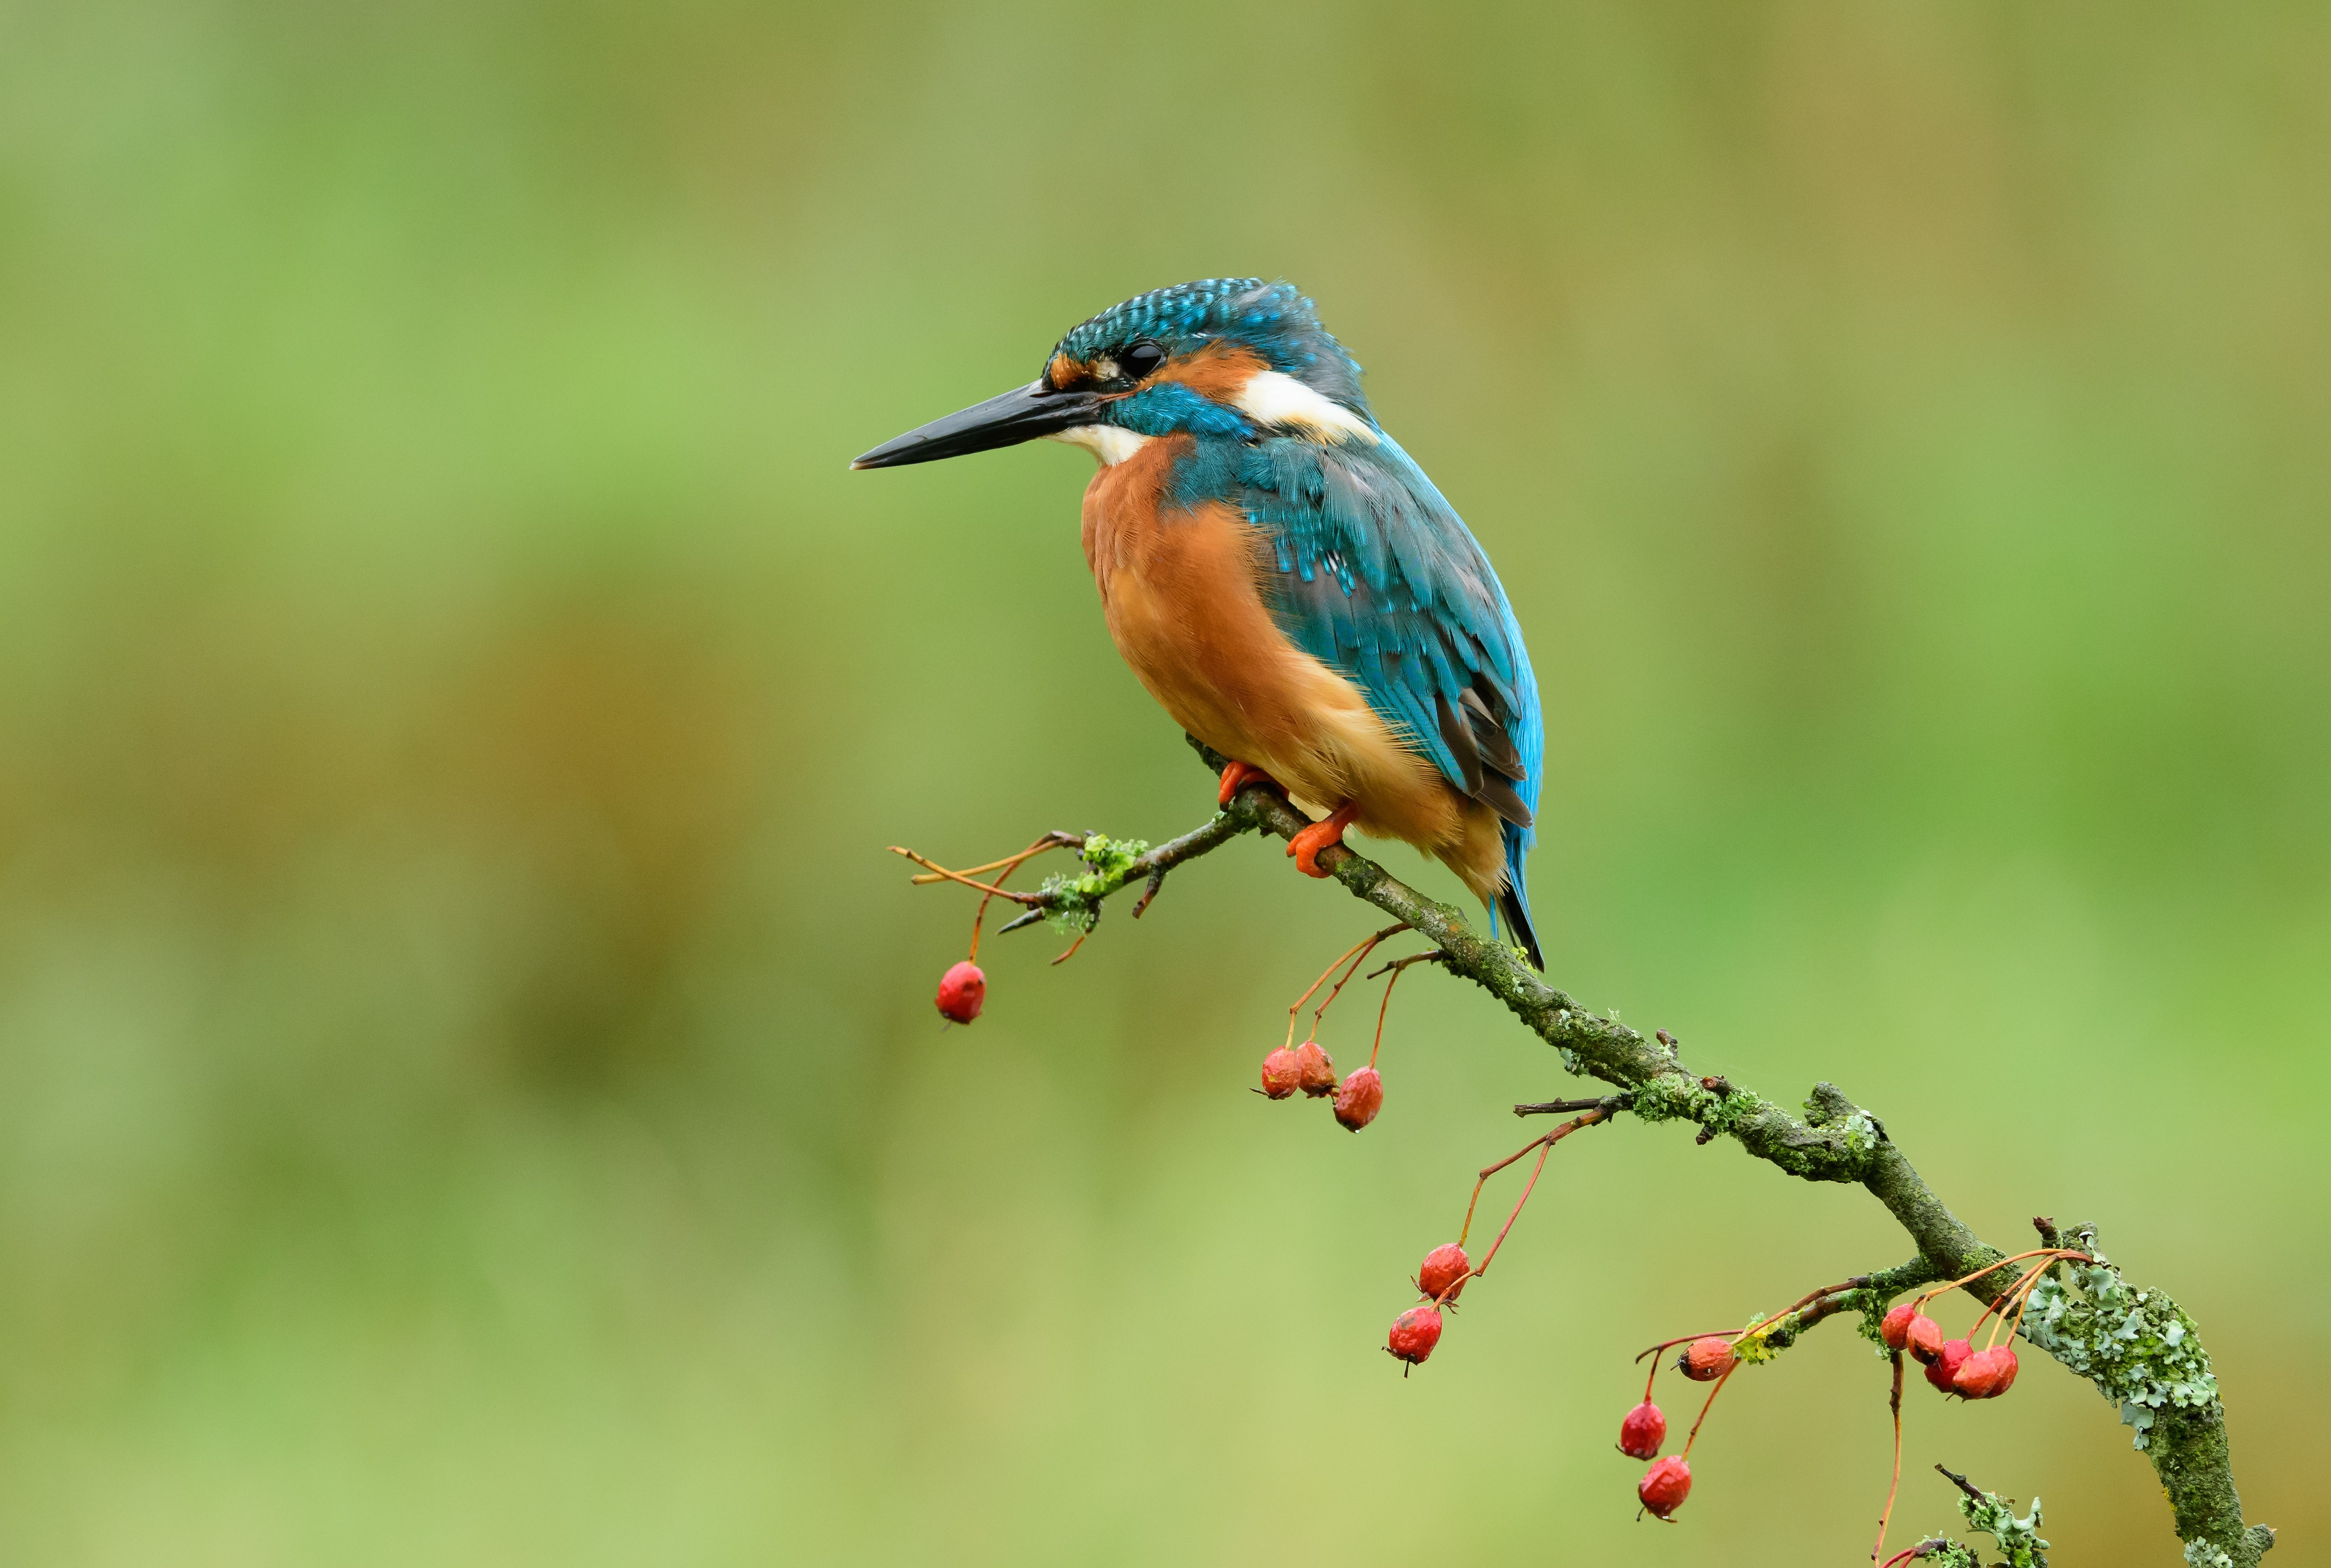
{"points": [[1954, 1366], [1441, 1278], [1644, 1431], [1308, 1067]]}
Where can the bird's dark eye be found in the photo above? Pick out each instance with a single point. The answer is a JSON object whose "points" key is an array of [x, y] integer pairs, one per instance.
{"points": [[1141, 359]]}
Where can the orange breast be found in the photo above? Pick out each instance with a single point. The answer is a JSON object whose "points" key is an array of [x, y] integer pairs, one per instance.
{"points": [[1181, 590]]}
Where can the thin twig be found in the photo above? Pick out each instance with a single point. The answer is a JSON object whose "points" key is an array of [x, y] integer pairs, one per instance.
{"points": [[1397, 965], [1609, 1102], [1157, 882]]}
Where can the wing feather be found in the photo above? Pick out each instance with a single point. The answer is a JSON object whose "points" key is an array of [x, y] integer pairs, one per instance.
{"points": [[1378, 577]]}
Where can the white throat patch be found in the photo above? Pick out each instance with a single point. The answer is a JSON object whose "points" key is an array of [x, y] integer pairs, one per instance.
{"points": [[1273, 398], [1112, 444]]}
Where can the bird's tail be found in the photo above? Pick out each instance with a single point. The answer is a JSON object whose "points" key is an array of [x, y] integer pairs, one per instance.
{"points": [[1513, 903]]}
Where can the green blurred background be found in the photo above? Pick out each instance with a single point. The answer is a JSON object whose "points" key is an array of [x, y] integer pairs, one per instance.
{"points": [[469, 1089]]}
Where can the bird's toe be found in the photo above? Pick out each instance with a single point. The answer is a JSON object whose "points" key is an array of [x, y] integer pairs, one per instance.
{"points": [[1308, 842], [1236, 776]]}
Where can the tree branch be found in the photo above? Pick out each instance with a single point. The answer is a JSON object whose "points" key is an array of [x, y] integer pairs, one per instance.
{"points": [[2181, 1423]]}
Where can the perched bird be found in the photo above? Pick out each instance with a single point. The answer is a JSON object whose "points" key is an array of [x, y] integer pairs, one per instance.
{"points": [[1282, 576]]}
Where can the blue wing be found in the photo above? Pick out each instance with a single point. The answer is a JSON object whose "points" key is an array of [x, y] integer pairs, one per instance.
{"points": [[1378, 577]]}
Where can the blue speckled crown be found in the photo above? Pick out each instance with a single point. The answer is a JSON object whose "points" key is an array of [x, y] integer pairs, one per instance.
{"points": [[1274, 319]]}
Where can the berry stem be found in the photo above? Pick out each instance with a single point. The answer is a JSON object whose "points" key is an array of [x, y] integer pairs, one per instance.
{"points": [[1687, 1339], [1528, 1188], [2014, 1296], [1049, 841], [2053, 1253], [1397, 968], [2022, 1295], [1768, 1324], [1467, 1228], [1710, 1405], [1359, 958], [1357, 954], [995, 889], [1755, 1331], [943, 874], [2018, 1325], [1894, 1486], [1546, 1140], [1009, 864]]}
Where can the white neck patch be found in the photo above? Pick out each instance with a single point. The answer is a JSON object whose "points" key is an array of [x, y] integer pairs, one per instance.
{"points": [[1112, 444], [1271, 397]]}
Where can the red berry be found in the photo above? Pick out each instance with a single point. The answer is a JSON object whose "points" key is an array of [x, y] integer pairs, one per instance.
{"points": [[1314, 1069], [1665, 1485], [1444, 1271], [1705, 1360], [1894, 1328], [1923, 1339], [1414, 1333], [1642, 1432], [1944, 1367], [1362, 1096], [1281, 1075], [1985, 1374], [963, 991]]}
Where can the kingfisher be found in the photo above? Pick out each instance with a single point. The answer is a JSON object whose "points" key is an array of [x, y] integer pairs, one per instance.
{"points": [[1284, 579]]}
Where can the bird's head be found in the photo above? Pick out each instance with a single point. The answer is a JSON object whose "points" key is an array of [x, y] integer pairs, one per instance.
{"points": [[1223, 357]]}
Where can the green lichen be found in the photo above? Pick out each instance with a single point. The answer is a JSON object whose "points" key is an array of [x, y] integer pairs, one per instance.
{"points": [[2138, 1346], [1673, 1096], [1111, 857], [2202, 1554], [1072, 904], [1943, 1553], [1859, 1132], [1757, 1348], [1732, 1108], [2019, 1539], [1873, 1306], [1854, 1128]]}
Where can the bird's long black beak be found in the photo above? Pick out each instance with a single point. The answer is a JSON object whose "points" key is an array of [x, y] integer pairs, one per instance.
{"points": [[1023, 414]]}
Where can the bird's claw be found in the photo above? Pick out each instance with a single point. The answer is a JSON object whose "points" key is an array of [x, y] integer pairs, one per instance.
{"points": [[1236, 776], [1306, 843]]}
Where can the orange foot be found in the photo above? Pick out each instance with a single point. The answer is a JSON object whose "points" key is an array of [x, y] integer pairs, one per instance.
{"points": [[1305, 845], [1236, 776]]}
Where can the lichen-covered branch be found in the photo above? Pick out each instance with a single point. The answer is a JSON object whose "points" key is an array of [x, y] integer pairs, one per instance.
{"points": [[2139, 1349], [2019, 1539]]}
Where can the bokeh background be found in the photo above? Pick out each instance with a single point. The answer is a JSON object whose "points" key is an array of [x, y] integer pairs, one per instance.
{"points": [[469, 1089]]}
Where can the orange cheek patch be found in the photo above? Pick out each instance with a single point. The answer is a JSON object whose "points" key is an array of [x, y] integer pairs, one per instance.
{"points": [[1219, 371], [1063, 372]]}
